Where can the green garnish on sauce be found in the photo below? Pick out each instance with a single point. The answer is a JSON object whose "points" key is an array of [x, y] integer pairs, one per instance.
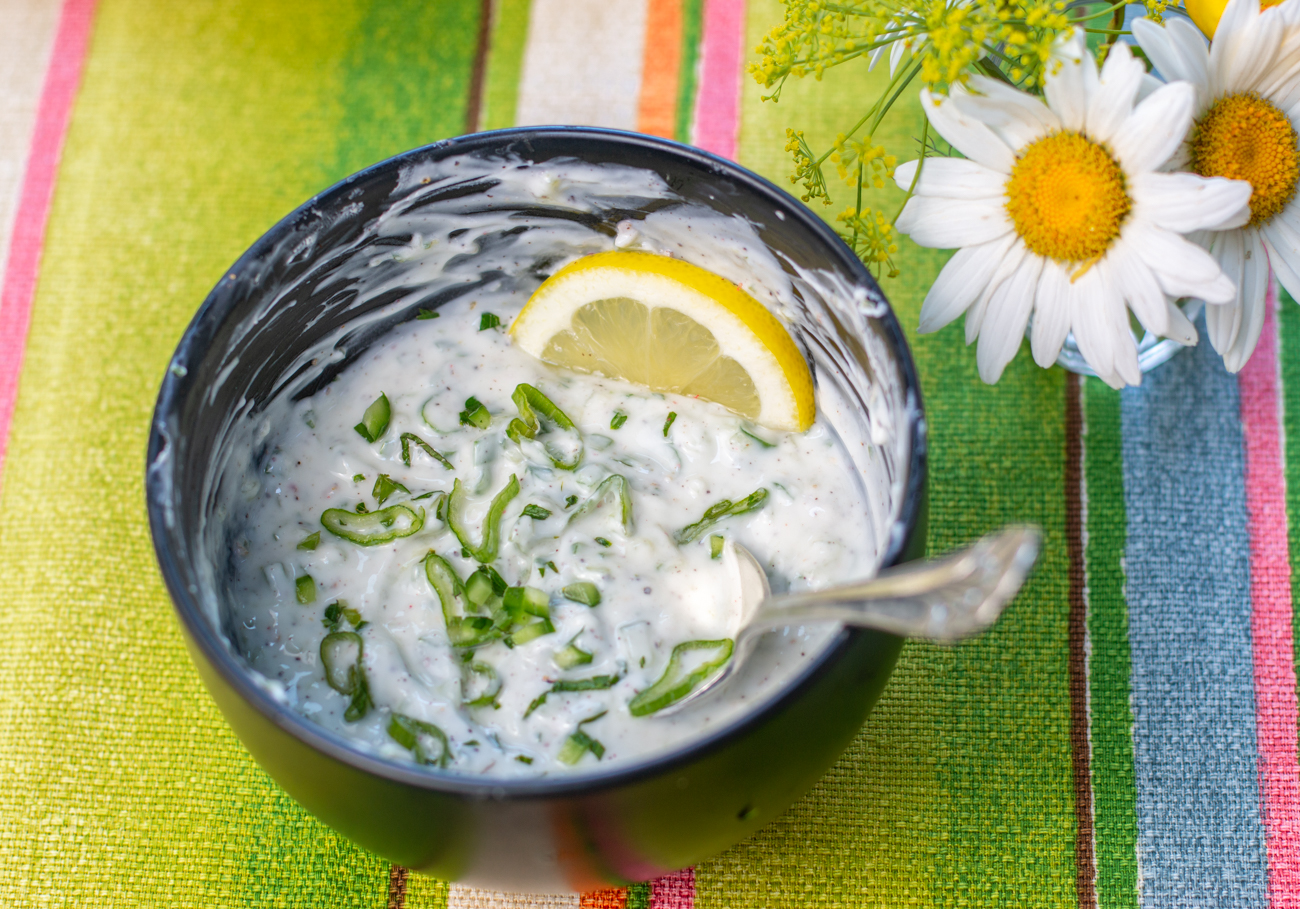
{"points": [[488, 320], [535, 410], [372, 528], [716, 543], [570, 501], [475, 414], [337, 612], [613, 488], [619, 419], [595, 683], [487, 697], [584, 592], [409, 439], [385, 486], [717, 512], [536, 512], [604, 542], [487, 550], [668, 423], [310, 542], [428, 314], [417, 736], [580, 743], [374, 422], [340, 655], [304, 587], [571, 655], [677, 681]]}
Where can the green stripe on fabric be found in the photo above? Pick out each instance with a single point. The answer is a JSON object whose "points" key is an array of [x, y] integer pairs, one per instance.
{"points": [[426, 893], [958, 790], [638, 896], [198, 127], [688, 72], [1288, 330], [505, 63], [1110, 662]]}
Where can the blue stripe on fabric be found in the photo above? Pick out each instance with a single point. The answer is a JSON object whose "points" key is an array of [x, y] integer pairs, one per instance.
{"points": [[1200, 836]]}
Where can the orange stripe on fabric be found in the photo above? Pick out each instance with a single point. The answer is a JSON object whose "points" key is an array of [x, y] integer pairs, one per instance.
{"points": [[657, 112], [604, 899]]}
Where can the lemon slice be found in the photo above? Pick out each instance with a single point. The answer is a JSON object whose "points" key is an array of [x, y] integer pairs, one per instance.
{"points": [[670, 326]]}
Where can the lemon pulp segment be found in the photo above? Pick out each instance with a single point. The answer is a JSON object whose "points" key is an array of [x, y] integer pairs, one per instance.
{"points": [[670, 326]]}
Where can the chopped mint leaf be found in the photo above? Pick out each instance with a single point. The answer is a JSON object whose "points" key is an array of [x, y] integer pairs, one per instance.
{"points": [[358, 477], [570, 501], [604, 542], [475, 414], [428, 314], [385, 486], [523, 759], [537, 512], [488, 320], [374, 422], [619, 419], [311, 542]]}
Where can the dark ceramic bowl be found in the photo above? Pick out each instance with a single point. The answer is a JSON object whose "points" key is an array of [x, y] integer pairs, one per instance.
{"points": [[630, 821]]}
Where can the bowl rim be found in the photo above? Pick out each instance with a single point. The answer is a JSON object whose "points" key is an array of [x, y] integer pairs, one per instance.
{"points": [[206, 639]]}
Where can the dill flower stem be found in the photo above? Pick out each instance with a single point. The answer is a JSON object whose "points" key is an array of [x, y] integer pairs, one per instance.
{"points": [[910, 74], [916, 177]]}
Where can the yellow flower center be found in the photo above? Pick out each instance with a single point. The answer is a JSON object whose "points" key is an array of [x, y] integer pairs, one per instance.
{"points": [[1245, 137], [1066, 197]]}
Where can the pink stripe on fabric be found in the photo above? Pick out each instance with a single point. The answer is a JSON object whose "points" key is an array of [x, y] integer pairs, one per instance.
{"points": [[1270, 625], [61, 81], [716, 123], [674, 891]]}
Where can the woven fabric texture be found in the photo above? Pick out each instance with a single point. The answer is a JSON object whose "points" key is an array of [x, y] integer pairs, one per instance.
{"points": [[1126, 736]]}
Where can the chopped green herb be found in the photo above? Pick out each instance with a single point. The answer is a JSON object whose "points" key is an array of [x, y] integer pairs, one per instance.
{"points": [[428, 314], [523, 634], [358, 477], [337, 612], [472, 743], [310, 542], [523, 759], [416, 736], [570, 501], [372, 529], [487, 551], [584, 592], [551, 565], [475, 414], [374, 422], [677, 681], [483, 694], [716, 512], [463, 629], [361, 508], [604, 542], [483, 585], [521, 601], [595, 683], [764, 442], [572, 656], [580, 743], [429, 494], [619, 419], [716, 543], [534, 408], [409, 438], [537, 512], [613, 486], [488, 320], [305, 589], [668, 423], [340, 655], [385, 486]]}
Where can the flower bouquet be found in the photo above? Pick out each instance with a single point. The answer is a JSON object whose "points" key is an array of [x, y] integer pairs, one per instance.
{"points": [[1099, 174]]}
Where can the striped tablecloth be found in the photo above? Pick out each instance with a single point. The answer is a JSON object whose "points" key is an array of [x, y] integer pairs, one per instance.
{"points": [[1126, 736]]}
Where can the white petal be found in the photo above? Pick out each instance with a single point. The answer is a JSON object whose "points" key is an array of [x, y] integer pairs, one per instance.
{"points": [[1006, 267], [1123, 344], [1089, 323], [1017, 117], [1069, 87], [1004, 324], [1155, 129], [1174, 53], [1282, 256], [1140, 288], [1185, 202], [1244, 48], [952, 178], [874, 57], [1254, 286], [950, 223], [967, 134], [896, 54], [975, 315], [1182, 268], [1110, 105], [1223, 322], [1181, 328], [961, 283], [1051, 314]]}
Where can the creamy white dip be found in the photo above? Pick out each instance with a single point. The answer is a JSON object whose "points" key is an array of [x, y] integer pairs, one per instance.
{"points": [[818, 524]]}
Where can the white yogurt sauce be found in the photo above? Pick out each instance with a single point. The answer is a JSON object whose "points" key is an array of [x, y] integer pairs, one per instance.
{"points": [[819, 524]]}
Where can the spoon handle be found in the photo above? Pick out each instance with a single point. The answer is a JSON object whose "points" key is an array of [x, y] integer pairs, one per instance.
{"points": [[943, 599]]}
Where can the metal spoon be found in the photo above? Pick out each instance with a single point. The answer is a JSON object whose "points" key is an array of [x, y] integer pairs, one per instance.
{"points": [[945, 599]]}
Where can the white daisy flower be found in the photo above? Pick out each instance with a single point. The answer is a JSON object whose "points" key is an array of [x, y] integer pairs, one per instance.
{"points": [[1246, 117], [1060, 213]]}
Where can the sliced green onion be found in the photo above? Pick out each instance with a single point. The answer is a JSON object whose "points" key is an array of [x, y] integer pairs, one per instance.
{"points": [[463, 630], [571, 655], [339, 610], [523, 759], [487, 551], [595, 683], [475, 414], [491, 687], [716, 543], [415, 735], [584, 592], [310, 542], [372, 528], [604, 542], [488, 320], [578, 744], [535, 407], [717, 512], [409, 439], [536, 512], [427, 314], [668, 423], [340, 655], [305, 589], [677, 681], [385, 486], [358, 477], [374, 422], [614, 486], [619, 419]]}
